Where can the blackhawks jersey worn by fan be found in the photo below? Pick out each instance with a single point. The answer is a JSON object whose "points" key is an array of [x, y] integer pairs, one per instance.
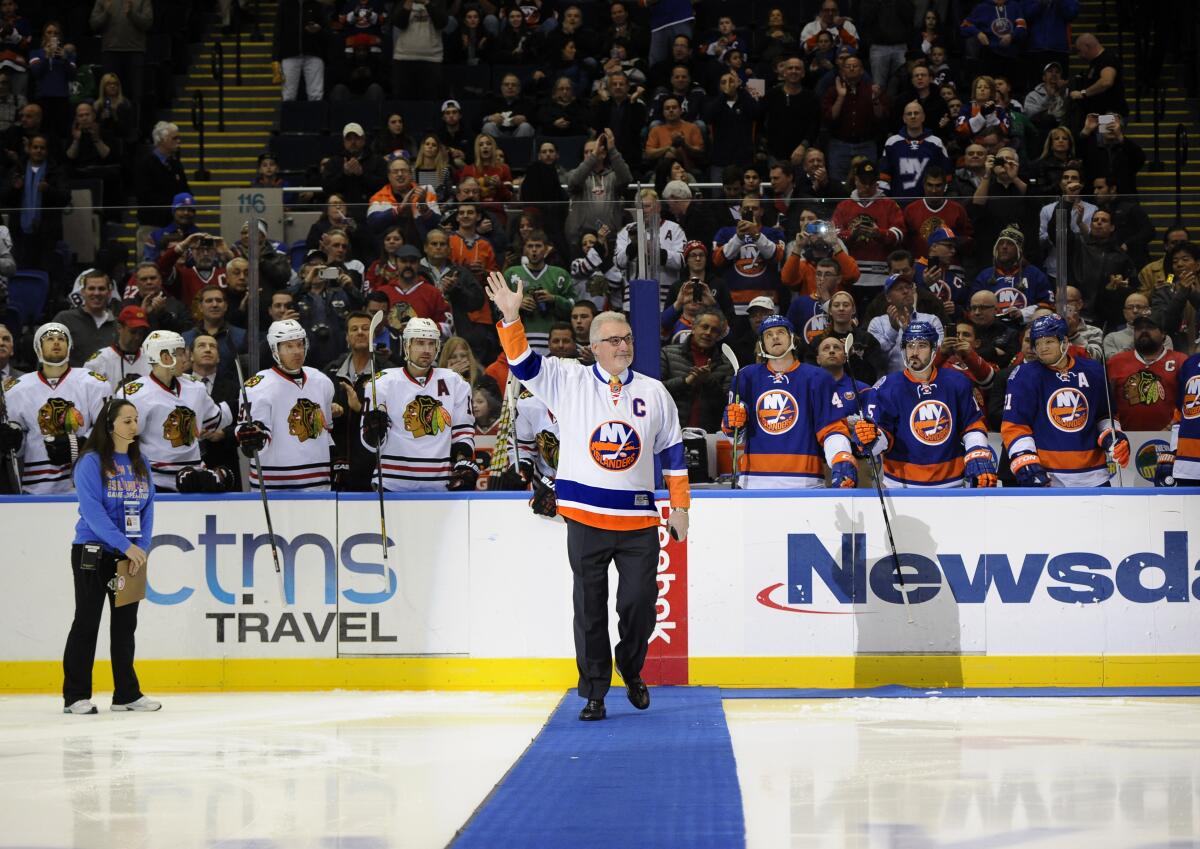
{"points": [[51, 408], [1060, 415], [428, 416], [537, 434], [751, 267], [870, 254], [1144, 392], [297, 414], [607, 445], [110, 362], [929, 427], [1185, 436], [170, 420], [792, 416]]}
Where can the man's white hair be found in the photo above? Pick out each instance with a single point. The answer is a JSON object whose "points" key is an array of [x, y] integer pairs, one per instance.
{"points": [[160, 131], [606, 317]]}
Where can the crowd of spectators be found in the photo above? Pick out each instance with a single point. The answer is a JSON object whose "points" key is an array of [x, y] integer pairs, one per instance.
{"points": [[853, 164]]}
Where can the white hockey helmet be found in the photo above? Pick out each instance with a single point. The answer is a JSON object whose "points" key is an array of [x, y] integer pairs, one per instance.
{"points": [[422, 328], [159, 341], [288, 330], [44, 331]]}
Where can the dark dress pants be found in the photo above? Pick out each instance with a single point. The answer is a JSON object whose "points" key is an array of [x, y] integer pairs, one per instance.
{"points": [[635, 553], [91, 590]]}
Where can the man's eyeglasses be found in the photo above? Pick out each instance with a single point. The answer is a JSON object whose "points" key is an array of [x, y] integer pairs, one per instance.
{"points": [[617, 340]]}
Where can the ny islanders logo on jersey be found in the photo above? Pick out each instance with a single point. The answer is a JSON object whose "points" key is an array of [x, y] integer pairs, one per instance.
{"points": [[931, 422], [306, 421], [777, 411], [58, 417], [425, 416], [179, 428], [1008, 297], [1191, 397], [1067, 409], [615, 446], [815, 327]]}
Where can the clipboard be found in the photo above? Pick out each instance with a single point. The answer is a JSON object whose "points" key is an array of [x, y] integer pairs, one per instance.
{"points": [[129, 588]]}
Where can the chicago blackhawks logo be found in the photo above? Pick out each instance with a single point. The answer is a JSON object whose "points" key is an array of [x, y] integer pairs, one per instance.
{"points": [[10, 383], [1143, 387], [306, 421], [1191, 397], [615, 446], [1067, 409], [254, 381], [58, 417], [179, 427], [776, 411], [547, 446], [425, 416], [931, 422]]}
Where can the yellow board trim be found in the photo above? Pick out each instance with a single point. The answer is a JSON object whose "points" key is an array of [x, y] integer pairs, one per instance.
{"points": [[509, 674]]}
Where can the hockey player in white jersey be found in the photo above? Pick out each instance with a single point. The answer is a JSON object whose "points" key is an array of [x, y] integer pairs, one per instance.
{"points": [[174, 412], [124, 361], [50, 412], [289, 417], [537, 435], [423, 419]]}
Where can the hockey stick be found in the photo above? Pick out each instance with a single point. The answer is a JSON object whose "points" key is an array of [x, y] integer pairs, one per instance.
{"points": [[875, 473], [262, 489], [506, 432], [12, 455], [376, 320], [733, 388], [1112, 423]]}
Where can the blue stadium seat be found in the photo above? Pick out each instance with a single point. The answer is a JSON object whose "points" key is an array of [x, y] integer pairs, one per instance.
{"points": [[518, 152], [467, 82], [303, 116], [420, 116], [361, 111], [27, 290], [298, 153], [296, 252]]}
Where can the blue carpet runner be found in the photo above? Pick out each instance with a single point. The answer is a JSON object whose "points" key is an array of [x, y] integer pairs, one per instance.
{"points": [[663, 778], [895, 691]]}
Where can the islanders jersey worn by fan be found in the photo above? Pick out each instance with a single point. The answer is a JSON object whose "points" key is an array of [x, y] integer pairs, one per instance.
{"points": [[114, 365], [751, 266], [1060, 416], [929, 427], [608, 441], [1024, 288], [52, 408], [428, 416], [170, 419], [1185, 435], [537, 434], [297, 413], [793, 416], [811, 316]]}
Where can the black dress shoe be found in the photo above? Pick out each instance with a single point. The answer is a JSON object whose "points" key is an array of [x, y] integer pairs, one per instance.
{"points": [[639, 696], [593, 710]]}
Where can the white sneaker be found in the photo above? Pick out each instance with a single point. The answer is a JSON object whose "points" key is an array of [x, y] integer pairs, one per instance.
{"points": [[81, 707], [142, 704]]}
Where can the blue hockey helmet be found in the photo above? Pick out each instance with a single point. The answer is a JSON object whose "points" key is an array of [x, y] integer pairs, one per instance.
{"points": [[775, 321], [922, 331], [1047, 327]]}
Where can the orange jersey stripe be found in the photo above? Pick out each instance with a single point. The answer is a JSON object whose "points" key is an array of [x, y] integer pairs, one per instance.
{"points": [[795, 464], [833, 427], [606, 522], [1188, 447], [677, 486], [1010, 432], [512, 339], [1072, 460], [934, 473]]}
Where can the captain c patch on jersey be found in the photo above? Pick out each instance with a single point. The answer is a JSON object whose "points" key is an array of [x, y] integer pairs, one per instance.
{"points": [[776, 411], [425, 416], [306, 421], [615, 446], [931, 422], [1067, 409]]}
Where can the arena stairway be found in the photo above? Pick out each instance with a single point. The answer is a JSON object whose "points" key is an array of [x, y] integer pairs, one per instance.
{"points": [[231, 157], [1156, 181]]}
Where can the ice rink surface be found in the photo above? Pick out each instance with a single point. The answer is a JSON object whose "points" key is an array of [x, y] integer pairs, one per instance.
{"points": [[357, 770]]}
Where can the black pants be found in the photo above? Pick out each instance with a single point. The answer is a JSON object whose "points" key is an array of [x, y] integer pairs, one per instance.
{"points": [[636, 555], [91, 589]]}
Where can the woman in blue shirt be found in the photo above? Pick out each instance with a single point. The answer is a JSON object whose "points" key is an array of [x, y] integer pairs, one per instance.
{"points": [[116, 520]]}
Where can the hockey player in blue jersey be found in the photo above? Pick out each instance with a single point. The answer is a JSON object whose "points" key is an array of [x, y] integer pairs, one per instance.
{"points": [[1180, 465], [797, 416], [831, 356], [925, 422], [1057, 423]]}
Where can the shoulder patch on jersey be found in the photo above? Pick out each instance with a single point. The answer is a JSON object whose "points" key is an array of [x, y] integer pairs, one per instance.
{"points": [[525, 393], [98, 376], [253, 381], [190, 377], [132, 388], [94, 356], [11, 382]]}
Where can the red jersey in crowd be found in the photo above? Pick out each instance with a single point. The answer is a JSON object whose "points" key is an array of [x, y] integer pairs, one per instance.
{"points": [[1145, 392], [922, 218]]}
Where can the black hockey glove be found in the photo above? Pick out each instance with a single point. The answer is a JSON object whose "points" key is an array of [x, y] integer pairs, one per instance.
{"points": [[12, 435], [543, 502], [62, 450], [463, 476], [202, 479], [514, 478], [251, 437], [375, 427]]}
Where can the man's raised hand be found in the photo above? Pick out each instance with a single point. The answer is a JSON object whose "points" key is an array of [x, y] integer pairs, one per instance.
{"points": [[505, 299]]}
